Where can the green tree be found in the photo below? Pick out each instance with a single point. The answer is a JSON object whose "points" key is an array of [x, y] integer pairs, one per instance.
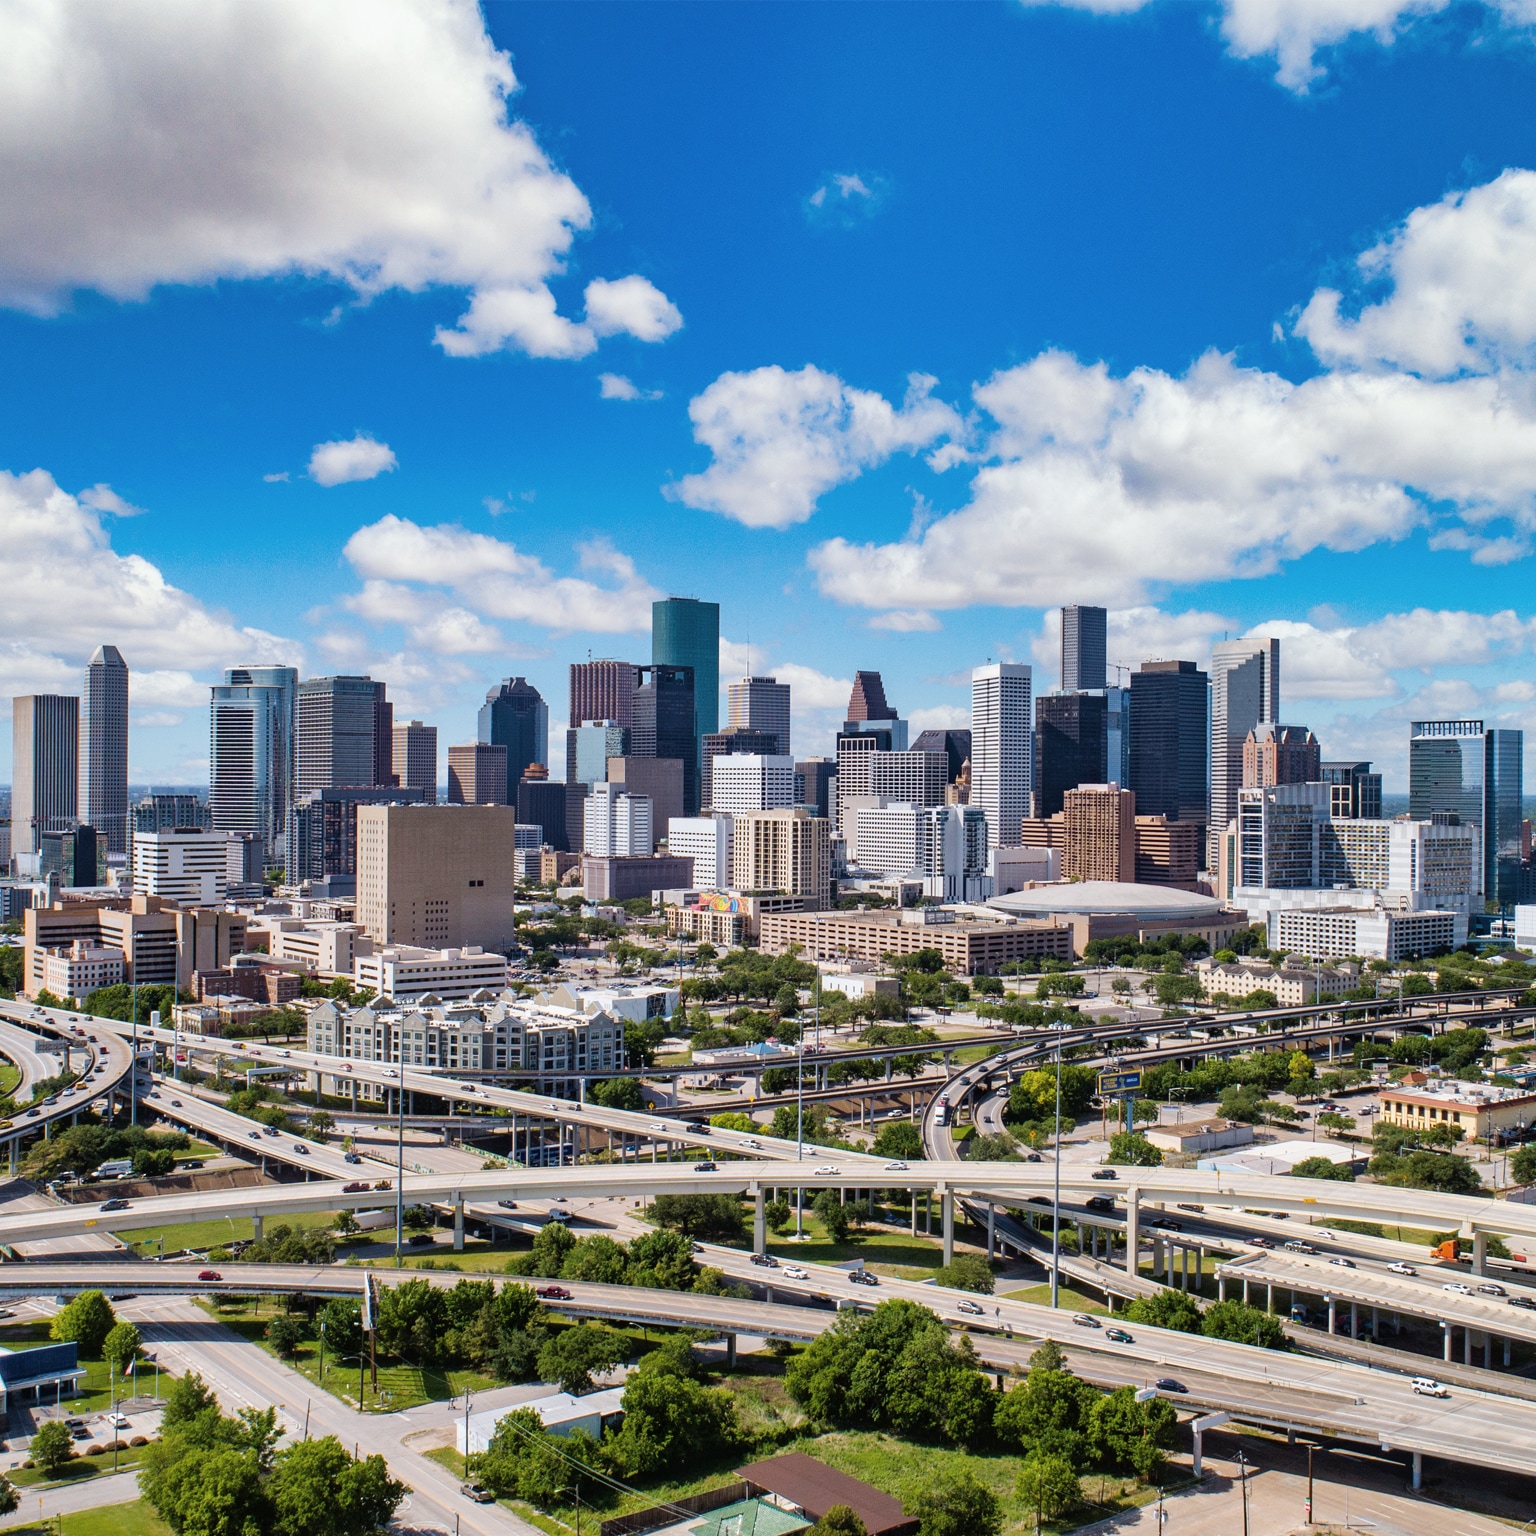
{"points": [[10, 1500], [1127, 1436], [86, 1321], [670, 1419], [285, 1334], [51, 1446], [992, 1147], [410, 1320], [967, 1272], [1047, 1413], [1299, 1066], [186, 1398], [832, 1213], [777, 1214], [718, 1217], [339, 1325], [898, 1140], [734, 1120], [1048, 1486], [598, 1259], [1033, 1097], [618, 1093], [318, 1489], [1321, 1168], [120, 1347], [840, 1520], [572, 1356], [1243, 1325], [663, 1260], [1167, 1309], [1132, 1149], [1522, 1165], [953, 1503]]}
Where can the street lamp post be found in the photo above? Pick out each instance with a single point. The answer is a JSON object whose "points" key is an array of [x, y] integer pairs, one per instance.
{"points": [[1056, 1188], [400, 1164]]}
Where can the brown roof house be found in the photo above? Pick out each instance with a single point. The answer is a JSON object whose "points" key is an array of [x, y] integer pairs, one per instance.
{"points": [[801, 1484]]}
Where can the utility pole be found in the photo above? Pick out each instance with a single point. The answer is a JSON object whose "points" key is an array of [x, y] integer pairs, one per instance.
{"points": [[1310, 1449]]}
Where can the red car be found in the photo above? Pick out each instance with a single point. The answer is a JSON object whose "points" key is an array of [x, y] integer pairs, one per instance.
{"points": [[352, 1189], [209, 1274], [553, 1293]]}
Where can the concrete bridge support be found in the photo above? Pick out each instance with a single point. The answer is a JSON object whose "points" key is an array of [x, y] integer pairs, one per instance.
{"points": [[948, 1200], [458, 1221], [759, 1220]]}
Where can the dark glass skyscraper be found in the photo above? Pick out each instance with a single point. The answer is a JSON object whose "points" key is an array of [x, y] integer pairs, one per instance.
{"points": [[103, 798], [1456, 767], [686, 633], [1503, 778], [1169, 721], [1084, 663], [516, 717], [1070, 746], [665, 712]]}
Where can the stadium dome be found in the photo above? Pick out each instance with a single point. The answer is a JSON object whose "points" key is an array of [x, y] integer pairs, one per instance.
{"points": [[1102, 898]]}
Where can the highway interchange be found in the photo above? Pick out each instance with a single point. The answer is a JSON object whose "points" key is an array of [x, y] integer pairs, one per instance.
{"points": [[1340, 1398]]}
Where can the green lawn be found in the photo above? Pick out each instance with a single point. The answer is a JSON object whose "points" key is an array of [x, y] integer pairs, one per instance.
{"points": [[136, 1519], [885, 1251], [203, 1235], [477, 1257], [10, 1076], [1068, 1298], [81, 1469]]}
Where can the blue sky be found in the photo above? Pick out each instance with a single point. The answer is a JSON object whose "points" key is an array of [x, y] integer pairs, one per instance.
{"points": [[434, 342]]}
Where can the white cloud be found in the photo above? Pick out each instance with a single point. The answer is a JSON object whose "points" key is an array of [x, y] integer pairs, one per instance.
{"points": [[277, 477], [1463, 278], [939, 717], [845, 197], [102, 498], [367, 142], [490, 578], [68, 591], [632, 306], [906, 621], [1293, 31], [779, 440], [358, 458], [614, 386]]}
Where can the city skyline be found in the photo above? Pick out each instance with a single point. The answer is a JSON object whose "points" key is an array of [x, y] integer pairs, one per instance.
{"points": [[408, 491]]}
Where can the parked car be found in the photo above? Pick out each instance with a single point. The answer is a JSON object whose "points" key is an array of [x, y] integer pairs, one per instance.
{"points": [[552, 1293], [209, 1274], [419, 1240]]}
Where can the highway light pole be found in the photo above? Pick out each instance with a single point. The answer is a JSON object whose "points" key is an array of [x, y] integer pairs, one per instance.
{"points": [[800, 1112], [1056, 1188], [400, 1164]]}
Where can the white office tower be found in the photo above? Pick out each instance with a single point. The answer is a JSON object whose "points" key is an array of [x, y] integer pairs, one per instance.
{"points": [[1002, 748], [760, 704], [251, 751], [1245, 694], [103, 800], [707, 841], [751, 782], [184, 864], [944, 846], [615, 824]]}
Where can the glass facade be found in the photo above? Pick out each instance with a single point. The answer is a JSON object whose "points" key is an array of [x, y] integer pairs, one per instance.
{"points": [[686, 633], [1503, 781], [516, 717]]}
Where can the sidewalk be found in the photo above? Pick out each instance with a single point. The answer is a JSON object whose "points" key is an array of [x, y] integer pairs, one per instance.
{"points": [[99, 1492]]}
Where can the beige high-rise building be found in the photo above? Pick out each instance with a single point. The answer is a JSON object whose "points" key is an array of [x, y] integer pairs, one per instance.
{"points": [[1099, 833], [477, 774], [787, 850], [415, 758], [436, 875]]}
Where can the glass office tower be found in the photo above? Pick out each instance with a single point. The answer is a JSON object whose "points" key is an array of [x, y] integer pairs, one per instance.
{"points": [[686, 633], [1503, 781], [516, 717], [1457, 767]]}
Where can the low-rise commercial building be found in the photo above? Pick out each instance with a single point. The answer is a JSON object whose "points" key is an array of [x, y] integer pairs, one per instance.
{"points": [[626, 879], [1369, 930], [403, 970], [1480, 1110], [970, 945], [1293, 986], [81, 968], [1187, 1136]]}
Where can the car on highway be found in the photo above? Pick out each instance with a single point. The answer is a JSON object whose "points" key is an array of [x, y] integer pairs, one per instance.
{"points": [[1118, 1335], [115, 1205], [704, 1167], [271, 1130], [973, 1309], [385, 1184], [1258, 1242], [767, 1260], [1083, 1320], [897, 1167], [209, 1274], [154, 1093], [1340, 1262], [1397, 1267], [477, 1492], [1491, 1288], [1168, 1384], [32, 1114], [253, 1135], [826, 1170], [1457, 1288], [350, 1157], [1095, 1203], [863, 1277], [1524, 1302], [507, 1205], [1295, 1245], [1105, 1173], [175, 1103], [659, 1125], [1427, 1386], [754, 1143], [1167, 1223], [301, 1149], [552, 1293], [1033, 1157], [357, 1186], [795, 1272]]}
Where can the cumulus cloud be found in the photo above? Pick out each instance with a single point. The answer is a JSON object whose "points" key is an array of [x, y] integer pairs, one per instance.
{"points": [[631, 307], [67, 591], [102, 498], [358, 458], [1292, 32], [491, 579], [367, 142], [906, 621], [779, 440], [614, 386]]}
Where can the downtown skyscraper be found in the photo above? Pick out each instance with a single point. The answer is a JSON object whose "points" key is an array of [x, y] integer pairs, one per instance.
{"points": [[45, 755], [251, 729], [1245, 694], [103, 794], [1002, 748]]}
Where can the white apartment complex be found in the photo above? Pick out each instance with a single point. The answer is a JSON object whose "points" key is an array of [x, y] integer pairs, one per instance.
{"points": [[944, 846], [707, 840], [80, 969]]}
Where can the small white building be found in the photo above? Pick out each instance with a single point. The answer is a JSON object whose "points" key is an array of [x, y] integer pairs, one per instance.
{"points": [[561, 1414], [81, 969], [616, 824], [633, 1003], [857, 984], [1199, 1135], [403, 971]]}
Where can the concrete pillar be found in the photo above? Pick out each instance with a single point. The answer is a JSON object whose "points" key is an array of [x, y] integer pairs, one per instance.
{"points": [[949, 1226], [730, 1349], [1479, 1253], [256, 1231], [1132, 1230], [1200, 1270], [1221, 1287], [1245, 1290], [991, 1230], [914, 1213], [1375, 1324], [15, 1144], [1354, 1321], [760, 1220], [1487, 1351], [1445, 1329], [1269, 1295], [1506, 1352], [458, 1221], [1332, 1312], [1418, 1469], [1466, 1346]]}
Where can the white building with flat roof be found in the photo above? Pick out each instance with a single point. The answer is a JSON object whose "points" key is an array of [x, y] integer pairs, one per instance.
{"points": [[1327, 929], [81, 969], [181, 864], [402, 971], [707, 841], [616, 824], [750, 781]]}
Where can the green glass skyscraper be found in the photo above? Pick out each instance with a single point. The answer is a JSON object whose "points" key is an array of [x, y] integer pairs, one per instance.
{"points": [[686, 633]]}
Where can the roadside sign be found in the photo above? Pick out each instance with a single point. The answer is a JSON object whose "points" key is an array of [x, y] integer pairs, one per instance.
{"points": [[1119, 1082]]}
